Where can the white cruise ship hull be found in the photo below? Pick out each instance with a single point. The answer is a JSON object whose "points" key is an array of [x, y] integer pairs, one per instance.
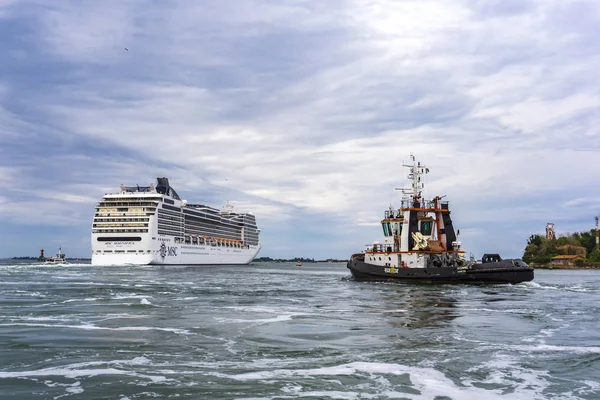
{"points": [[177, 255]]}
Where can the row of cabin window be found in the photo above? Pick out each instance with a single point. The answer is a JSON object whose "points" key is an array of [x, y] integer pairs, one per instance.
{"points": [[121, 219], [105, 230], [395, 229]]}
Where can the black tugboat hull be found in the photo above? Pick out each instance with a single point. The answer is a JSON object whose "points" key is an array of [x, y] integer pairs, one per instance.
{"points": [[488, 273]]}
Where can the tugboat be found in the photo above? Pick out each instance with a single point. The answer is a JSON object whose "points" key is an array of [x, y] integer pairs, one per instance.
{"points": [[60, 258], [421, 245]]}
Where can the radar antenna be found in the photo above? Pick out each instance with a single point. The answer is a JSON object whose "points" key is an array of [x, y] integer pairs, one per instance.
{"points": [[228, 209], [417, 170]]}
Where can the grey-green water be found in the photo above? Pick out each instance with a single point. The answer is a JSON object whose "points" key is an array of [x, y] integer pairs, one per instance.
{"points": [[277, 331]]}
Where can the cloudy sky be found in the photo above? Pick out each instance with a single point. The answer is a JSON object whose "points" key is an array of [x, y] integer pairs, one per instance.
{"points": [[302, 112]]}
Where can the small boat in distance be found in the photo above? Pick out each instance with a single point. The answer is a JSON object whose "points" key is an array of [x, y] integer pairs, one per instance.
{"points": [[298, 263], [421, 245], [60, 258]]}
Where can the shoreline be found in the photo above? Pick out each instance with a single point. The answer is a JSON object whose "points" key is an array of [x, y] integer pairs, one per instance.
{"points": [[565, 267]]}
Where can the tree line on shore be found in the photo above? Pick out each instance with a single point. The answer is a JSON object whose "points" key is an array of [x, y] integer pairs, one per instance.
{"points": [[541, 250]]}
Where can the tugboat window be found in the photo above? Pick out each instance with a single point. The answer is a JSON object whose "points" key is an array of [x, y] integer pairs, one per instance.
{"points": [[426, 227]]}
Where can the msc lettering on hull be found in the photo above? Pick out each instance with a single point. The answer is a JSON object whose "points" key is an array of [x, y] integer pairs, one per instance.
{"points": [[165, 251]]}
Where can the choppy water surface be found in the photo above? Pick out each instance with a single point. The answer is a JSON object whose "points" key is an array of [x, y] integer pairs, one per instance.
{"points": [[277, 331]]}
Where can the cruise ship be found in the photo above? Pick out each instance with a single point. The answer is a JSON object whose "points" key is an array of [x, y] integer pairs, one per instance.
{"points": [[143, 225]]}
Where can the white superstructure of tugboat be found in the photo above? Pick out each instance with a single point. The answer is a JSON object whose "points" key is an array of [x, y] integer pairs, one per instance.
{"points": [[60, 258], [153, 225], [420, 244]]}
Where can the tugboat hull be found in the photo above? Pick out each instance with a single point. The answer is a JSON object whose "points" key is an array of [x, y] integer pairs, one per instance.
{"points": [[506, 271]]}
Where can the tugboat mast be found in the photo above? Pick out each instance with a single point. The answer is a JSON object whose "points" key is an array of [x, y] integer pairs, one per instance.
{"points": [[416, 172]]}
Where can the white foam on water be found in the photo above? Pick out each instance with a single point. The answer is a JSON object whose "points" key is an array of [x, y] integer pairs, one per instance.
{"points": [[550, 348], [145, 301], [571, 288], [67, 372], [529, 284], [88, 369], [545, 333], [259, 398], [525, 311], [76, 300], [148, 394], [291, 388], [257, 309], [279, 318], [429, 382], [229, 344], [281, 314], [591, 387], [70, 388], [506, 371], [344, 369], [27, 293], [101, 284], [332, 394], [548, 332], [111, 316], [141, 360], [38, 319], [94, 327], [74, 389], [129, 296]]}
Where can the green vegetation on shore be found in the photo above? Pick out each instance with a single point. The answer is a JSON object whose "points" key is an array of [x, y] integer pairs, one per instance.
{"points": [[540, 250]]}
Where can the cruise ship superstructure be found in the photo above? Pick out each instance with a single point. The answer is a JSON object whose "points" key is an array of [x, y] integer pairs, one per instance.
{"points": [[153, 225]]}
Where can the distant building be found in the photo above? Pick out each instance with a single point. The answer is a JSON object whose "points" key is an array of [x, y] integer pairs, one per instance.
{"points": [[569, 249], [565, 260]]}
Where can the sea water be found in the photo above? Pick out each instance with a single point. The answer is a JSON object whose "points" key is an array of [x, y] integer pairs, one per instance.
{"points": [[278, 331]]}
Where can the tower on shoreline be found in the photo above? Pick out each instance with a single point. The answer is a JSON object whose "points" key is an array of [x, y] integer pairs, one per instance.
{"points": [[550, 234], [597, 238]]}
